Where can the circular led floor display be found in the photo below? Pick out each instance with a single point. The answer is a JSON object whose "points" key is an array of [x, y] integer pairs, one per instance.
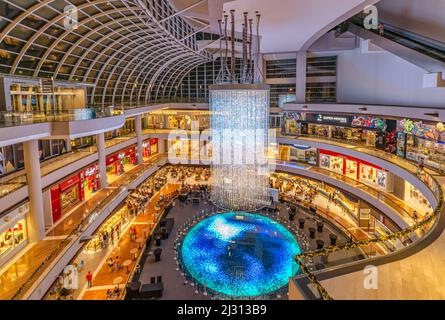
{"points": [[240, 254]]}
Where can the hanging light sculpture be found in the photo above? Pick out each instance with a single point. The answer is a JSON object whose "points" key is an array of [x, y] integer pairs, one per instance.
{"points": [[239, 123]]}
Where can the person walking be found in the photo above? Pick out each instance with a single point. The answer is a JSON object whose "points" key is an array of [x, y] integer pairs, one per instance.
{"points": [[110, 264], [117, 264], [415, 215], [118, 229], [89, 278], [421, 164], [381, 28]]}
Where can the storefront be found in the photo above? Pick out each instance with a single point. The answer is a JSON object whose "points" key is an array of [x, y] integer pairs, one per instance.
{"points": [[120, 162], [66, 195], [417, 140], [360, 129], [149, 147], [91, 181], [118, 221], [297, 153], [416, 199], [356, 169], [175, 119], [333, 162], [13, 233]]}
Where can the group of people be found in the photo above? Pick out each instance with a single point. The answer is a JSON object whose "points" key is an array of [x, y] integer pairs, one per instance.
{"points": [[114, 264], [133, 232], [138, 199], [115, 293], [110, 235]]}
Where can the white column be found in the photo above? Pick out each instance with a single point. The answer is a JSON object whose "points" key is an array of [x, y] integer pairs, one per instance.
{"points": [[301, 76], [138, 121], [100, 141], [68, 145], [162, 146], [35, 219]]}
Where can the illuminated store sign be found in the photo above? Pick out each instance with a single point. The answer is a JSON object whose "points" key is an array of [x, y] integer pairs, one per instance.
{"points": [[332, 119], [344, 121], [420, 129], [369, 122]]}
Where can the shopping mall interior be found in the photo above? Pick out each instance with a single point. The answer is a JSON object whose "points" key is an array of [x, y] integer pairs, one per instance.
{"points": [[222, 150]]}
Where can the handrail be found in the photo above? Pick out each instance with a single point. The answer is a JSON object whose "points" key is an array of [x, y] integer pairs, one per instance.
{"points": [[359, 244], [87, 220], [17, 118], [425, 177], [18, 178], [370, 190]]}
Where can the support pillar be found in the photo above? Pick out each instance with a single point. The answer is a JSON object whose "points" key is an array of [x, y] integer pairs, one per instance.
{"points": [[100, 141], [68, 145], [36, 218], [301, 76], [138, 122]]}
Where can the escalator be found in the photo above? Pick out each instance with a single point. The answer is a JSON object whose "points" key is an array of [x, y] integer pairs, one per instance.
{"points": [[425, 53]]}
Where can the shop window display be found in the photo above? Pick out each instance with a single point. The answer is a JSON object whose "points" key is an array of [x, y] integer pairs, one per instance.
{"points": [[416, 199], [12, 237], [351, 169], [91, 181], [332, 163], [356, 169], [417, 140], [109, 231]]}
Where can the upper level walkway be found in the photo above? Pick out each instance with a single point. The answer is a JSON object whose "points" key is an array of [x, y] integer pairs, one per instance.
{"points": [[418, 276], [403, 168]]}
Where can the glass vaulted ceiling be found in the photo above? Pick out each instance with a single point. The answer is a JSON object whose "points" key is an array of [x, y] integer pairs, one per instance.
{"points": [[125, 48]]}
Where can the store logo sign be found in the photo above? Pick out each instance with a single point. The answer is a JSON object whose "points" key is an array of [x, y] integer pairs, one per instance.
{"points": [[336, 119], [370, 281], [90, 171], [372, 18]]}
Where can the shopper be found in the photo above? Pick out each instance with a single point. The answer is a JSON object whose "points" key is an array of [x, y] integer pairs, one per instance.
{"points": [[110, 264], [89, 278], [415, 215], [381, 28], [118, 229], [420, 165], [117, 264]]}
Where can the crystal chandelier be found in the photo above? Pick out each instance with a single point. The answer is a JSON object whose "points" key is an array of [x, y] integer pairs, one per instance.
{"points": [[239, 124]]}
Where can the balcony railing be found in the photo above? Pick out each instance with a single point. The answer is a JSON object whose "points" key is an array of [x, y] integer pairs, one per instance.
{"points": [[15, 118]]}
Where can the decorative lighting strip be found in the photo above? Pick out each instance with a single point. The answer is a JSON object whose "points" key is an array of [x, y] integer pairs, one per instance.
{"points": [[239, 130]]}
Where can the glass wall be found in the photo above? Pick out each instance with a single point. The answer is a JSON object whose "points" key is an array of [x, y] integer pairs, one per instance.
{"points": [[285, 68]]}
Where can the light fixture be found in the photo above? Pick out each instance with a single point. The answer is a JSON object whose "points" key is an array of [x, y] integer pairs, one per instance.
{"points": [[239, 128]]}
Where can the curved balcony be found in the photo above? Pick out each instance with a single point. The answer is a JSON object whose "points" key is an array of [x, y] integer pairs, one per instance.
{"points": [[407, 170], [18, 127]]}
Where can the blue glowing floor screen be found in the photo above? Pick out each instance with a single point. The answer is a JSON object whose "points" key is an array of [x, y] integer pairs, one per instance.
{"points": [[240, 254]]}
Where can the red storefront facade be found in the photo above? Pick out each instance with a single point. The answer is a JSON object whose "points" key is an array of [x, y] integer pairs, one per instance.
{"points": [[149, 147], [115, 162], [356, 169], [66, 195]]}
